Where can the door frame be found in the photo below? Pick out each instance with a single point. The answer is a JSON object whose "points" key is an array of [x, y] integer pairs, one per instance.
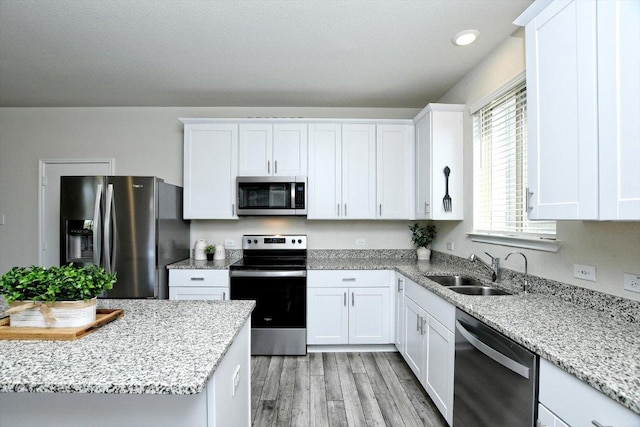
{"points": [[42, 167]]}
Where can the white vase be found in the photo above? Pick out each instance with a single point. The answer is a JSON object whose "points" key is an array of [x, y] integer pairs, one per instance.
{"points": [[63, 314], [423, 253]]}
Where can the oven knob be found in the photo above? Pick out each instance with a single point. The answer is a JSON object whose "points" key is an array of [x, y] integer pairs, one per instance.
{"points": [[255, 241], [249, 241], [300, 241], [293, 241]]}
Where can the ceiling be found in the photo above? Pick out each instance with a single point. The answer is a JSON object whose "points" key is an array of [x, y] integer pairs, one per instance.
{"points": [[293, 53]]}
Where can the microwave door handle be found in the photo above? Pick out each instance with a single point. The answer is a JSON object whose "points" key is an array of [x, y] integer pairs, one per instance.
{"points": [[493, 354], [97, 242]]}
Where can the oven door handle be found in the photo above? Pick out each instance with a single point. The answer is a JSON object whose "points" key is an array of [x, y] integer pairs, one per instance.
{"points": [[263, 273], [493, 354]]}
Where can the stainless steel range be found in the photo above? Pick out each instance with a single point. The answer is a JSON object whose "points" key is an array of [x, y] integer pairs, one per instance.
{"points": [[273, 272]]}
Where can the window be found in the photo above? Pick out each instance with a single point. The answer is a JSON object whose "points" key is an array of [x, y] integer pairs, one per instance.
{"points": [[500, 168]]}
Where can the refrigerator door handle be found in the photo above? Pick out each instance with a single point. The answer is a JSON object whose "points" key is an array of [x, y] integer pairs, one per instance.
{"points": [[97, 243], [107, 229]]}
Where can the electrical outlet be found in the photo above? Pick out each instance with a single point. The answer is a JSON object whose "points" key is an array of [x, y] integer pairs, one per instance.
{"points": [[236, 380], [361, 242], [229, 243], [584, 272], [450, 246], [632, 282]]}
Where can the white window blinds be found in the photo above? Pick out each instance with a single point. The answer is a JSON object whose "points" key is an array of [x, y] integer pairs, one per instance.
{"points": [[500, 168]]}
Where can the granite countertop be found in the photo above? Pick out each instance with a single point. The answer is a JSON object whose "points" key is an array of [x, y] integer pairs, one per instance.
{"points": [[158, 347], [190, 264], [598, 349]]}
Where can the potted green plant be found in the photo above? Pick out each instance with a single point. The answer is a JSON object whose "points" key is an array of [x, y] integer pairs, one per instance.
{"points": [[422, 237], [210, 250], [56, 297]]}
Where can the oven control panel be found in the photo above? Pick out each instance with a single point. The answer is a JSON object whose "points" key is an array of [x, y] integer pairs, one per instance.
{"points": [[274, 241]]}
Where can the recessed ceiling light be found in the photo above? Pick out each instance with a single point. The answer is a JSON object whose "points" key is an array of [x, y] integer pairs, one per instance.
{"points": [[466, 37]]}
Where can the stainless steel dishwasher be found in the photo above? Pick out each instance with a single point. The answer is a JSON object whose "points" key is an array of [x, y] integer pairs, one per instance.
{"points": [[495, 379]]}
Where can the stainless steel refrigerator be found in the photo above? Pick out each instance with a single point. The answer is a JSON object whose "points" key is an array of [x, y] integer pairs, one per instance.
{"points": [[132, 225]]}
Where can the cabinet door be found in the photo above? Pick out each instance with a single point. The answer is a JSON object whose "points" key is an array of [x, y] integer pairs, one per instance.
{"points": [[438, 380], [399, 320], [358, 171], [324, 194], [369, 320], [619, 109], [210, 169], [327, 316], [290, 149], [562, 111], [256, 149], [439, 145], [394, 171], [423, 167], [198, 293], [415, 343]]}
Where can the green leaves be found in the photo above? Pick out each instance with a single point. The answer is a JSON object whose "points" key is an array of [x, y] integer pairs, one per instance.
{"points": [[422, 236], [66, 283]]}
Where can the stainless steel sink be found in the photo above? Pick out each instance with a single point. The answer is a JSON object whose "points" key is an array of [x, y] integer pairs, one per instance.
{"points": [[478, 290], [455, 280]]}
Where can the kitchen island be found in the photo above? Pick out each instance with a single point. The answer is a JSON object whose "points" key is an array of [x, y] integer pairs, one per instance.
{"points": [[165, 363]]}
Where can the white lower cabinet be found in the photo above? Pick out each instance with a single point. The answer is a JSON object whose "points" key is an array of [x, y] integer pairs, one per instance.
{"points": [[198, 284], [546, 418], [356, 314], [429, 343], [568, 401], [399, 317]]}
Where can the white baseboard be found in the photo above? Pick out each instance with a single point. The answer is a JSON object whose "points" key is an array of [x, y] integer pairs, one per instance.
{"points": [[351, 348]]}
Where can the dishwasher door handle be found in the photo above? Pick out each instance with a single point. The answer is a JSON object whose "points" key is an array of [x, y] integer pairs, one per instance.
{"points": [[493, 354]]}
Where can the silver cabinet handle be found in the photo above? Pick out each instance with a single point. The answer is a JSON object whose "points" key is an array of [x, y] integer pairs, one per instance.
{"points": [[233, 209], [224, 296], [417, 323], [275, 166], [422, 323], [268, 166], [338, 209], [197, 278], [426, 208], [353, 299], [348, 279], [380, 209], [400, 283], [528, 202], [345, 299], [597, 424], [345, 209]]}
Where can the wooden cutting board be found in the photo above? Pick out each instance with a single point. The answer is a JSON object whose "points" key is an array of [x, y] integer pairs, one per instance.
{"points": [[103, 316]]}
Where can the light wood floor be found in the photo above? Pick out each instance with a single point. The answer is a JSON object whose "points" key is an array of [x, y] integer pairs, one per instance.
{"points": [[338, 389]]}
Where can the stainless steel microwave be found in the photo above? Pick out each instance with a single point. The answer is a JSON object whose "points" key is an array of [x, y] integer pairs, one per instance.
{"points": [[277, 195]]}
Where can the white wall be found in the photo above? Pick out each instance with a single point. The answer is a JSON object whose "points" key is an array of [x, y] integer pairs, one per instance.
{"points": [[613, 247], [147, 141]]}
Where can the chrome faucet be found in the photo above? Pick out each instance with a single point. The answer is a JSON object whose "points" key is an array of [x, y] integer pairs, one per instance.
{"points": [[526, 274], [494, 267]]}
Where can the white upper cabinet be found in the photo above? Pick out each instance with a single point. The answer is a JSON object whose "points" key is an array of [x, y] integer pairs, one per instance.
{"points": [[358, 171], [324, 182], [395, 171], [583, 107], [439, 139], [619, 109], [210, 169], [273, 149]]}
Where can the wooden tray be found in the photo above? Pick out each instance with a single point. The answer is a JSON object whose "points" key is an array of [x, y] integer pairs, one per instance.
{"points": [[103, 316]]}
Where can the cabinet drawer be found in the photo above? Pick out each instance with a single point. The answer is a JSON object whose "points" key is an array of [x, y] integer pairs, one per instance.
{"points": [[350, 278], [577, 403], [198, 277], [440, 309], [199, 293]]}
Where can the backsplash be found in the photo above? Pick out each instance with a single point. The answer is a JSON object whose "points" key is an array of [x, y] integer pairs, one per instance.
{"points": [[362, 253]]}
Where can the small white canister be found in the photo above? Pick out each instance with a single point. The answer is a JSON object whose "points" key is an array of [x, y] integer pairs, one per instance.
{"points": [[220, 252], [198, 250]]}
